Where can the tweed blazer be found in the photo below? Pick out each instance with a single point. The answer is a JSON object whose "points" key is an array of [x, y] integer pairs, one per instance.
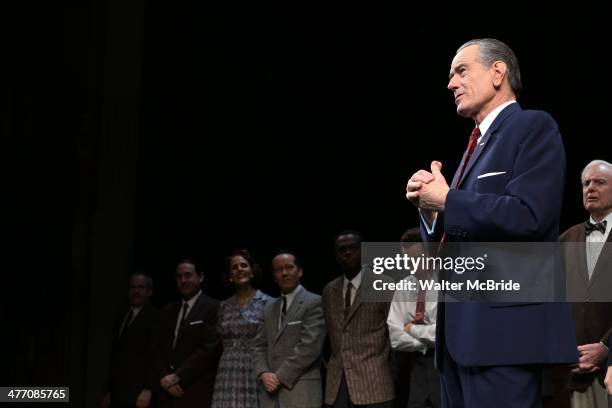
{"points": [[360, 346], [291, 351]]}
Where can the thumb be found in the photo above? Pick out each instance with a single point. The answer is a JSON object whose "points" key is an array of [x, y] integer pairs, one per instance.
{"points": [[436, 168]]}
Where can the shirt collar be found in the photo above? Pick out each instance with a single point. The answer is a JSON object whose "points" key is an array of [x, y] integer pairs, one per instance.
{"points": [[293, 294], [488, 120], [356, 281], [608, 220], [193, 299]]}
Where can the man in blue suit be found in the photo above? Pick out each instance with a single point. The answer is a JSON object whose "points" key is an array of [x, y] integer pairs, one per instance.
{"points": [[509, 187]]}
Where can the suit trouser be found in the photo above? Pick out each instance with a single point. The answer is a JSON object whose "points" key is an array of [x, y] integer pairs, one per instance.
{"points": [[343, 399], [595, 396], [402, 367], [424, 382], [487, 387]]}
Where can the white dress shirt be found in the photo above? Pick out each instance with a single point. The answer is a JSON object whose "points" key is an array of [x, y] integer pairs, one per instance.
{"points": [[595, 242], [179, 318], [402, 311], [355, 282]]}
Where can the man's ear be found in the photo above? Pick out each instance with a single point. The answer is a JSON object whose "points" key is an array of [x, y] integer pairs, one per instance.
{"points": [[499, 73]]}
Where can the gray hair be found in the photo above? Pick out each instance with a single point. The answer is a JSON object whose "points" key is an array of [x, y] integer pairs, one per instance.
{"points": [[595, 163], [147, 278], [492, 50]]}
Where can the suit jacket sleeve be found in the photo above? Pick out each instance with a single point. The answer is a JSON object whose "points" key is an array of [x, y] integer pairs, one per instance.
{"points": [[260, 348], [308, 348], [206, 356], [526, 208], [151, 380]]}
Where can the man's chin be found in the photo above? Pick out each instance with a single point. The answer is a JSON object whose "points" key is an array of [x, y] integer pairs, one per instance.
{"points": [[463, 112]]}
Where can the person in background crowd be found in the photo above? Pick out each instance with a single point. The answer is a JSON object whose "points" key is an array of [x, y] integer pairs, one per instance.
{"points": [[131, 379], [287, 348], [189, 345], [412, 330], [587, 251], [239, 318]]}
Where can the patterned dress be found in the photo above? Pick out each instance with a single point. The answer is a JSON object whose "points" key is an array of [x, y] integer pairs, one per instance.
{"points": [[235, 385]]}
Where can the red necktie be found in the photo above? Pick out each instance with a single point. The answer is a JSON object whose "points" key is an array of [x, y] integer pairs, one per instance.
{"points": [[468, 155], [419, 313], [470, 150]]}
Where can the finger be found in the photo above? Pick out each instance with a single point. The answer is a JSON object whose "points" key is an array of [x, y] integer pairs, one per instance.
{"points": [[422, 176], [414, 186], [436, 168], [413, 196]]}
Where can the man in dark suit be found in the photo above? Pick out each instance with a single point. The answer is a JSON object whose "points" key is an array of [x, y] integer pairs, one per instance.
{"points": [[287, 347], [509, 187], [359, 370], [588, 261], [189, 345], [131, 378]]}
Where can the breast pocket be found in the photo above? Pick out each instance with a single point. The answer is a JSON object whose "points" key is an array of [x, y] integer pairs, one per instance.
{"points": [[492, 181]]}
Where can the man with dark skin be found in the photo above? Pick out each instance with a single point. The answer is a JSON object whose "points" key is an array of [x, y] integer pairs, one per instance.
{"points": [[359, 369]]}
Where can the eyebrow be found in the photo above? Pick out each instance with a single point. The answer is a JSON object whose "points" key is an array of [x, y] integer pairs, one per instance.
{"points": [[456, 69]]}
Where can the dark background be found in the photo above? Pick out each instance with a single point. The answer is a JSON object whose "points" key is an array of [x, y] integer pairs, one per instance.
{"points": [[137, 133]]}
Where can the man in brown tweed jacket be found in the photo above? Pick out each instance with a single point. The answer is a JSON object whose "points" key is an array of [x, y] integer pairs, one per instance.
{"points": [[359, 370], [588, 260]]}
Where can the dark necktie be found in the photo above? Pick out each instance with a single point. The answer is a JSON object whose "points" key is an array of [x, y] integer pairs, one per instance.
{"points": [[468, 155], [126, 321], [181, 322], [347, 300], [600, 226], [283, 308]]}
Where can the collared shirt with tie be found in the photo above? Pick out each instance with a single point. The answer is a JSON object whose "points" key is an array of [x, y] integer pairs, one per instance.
{"points": [[354, 283], [287, 300], [128, 319], [186, 307]]}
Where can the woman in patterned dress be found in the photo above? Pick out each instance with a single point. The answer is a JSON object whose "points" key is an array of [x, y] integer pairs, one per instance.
{"points": [[239, 316]]}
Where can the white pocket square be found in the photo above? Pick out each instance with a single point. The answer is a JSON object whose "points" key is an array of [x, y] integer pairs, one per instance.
{"points": [[196, 322], [295, 322], [495, 173]]}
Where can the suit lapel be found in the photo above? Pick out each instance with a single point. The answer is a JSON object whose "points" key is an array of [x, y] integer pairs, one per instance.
{"points": [[193, 312], [296, 305], [358, 298], [480, 147]]}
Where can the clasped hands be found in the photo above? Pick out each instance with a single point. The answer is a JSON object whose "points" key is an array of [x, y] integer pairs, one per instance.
{"points": [[270, 382], [591, 355], [170, 383], [428, 190]]}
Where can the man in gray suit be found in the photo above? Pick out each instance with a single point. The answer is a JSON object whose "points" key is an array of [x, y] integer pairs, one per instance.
{"points": [[287, 348]]}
